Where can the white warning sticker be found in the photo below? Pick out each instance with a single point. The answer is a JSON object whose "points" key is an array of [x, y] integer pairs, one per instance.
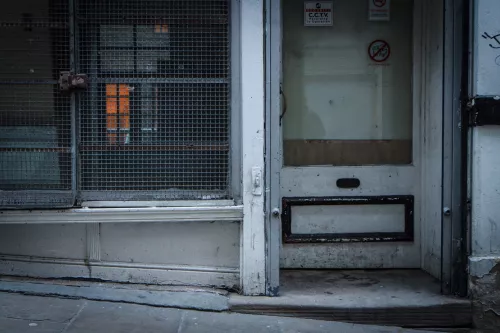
{"points": [[318, 13], [379, 10]]}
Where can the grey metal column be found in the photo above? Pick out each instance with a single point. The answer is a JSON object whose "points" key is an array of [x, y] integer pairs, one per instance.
{"points": [[273, 143], [454, 276]]}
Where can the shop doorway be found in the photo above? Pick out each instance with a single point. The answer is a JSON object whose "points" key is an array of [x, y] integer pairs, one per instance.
{"points": [[355, 128], [350, 135]]}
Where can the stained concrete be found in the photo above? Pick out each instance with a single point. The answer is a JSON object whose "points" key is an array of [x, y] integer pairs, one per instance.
{"points": [[485, 291], [59, 315], [409, 298], [188, 298]]}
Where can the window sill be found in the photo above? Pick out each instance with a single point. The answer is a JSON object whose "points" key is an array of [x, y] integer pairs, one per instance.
{"points": [[124, 215]]}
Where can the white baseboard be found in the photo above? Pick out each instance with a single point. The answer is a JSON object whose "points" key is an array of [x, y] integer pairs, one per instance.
{"points": [[185, 275], [123, 215]]}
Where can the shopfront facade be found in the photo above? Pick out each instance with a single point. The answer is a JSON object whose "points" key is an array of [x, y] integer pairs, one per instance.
{"points": [[217, 142]]}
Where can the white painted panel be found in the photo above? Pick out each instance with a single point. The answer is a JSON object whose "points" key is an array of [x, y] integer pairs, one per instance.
{"points": [[207, 244], [321, 181], [51, 241], [112, 271], [486, 72], [347, 219], [355, 255], [350, 256]]}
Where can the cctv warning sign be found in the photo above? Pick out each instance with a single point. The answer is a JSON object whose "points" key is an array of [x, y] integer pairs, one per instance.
{"points": [[318, 13], [379, 10]]}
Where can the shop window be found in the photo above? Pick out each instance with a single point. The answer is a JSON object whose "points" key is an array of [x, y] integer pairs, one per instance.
{"points": [[153, 122]]}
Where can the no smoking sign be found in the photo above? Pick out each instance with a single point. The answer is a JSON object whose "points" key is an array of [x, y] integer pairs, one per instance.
{"points": [[379, 51]]}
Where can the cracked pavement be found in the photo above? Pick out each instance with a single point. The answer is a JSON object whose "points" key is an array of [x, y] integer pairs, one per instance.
{"points": [[34, 314]]}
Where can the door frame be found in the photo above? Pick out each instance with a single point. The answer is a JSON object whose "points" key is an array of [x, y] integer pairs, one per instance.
{"points": [[457, 145], [273, 162], [273, 145]]}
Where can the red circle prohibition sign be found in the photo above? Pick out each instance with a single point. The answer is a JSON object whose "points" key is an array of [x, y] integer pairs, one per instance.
{"points": [[379, 50], [379, 3]]}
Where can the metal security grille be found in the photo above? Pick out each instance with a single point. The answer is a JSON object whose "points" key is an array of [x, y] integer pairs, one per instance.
{"points": [[154, 121], [35, 118]]}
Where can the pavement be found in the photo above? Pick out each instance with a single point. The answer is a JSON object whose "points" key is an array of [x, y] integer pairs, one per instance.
{"points": [[21, 313]]}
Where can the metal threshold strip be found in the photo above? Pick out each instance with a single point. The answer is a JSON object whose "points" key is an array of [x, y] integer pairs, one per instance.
{"points": [[123, 215]]}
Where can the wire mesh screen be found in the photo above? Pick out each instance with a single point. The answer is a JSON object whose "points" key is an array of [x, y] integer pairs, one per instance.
{"points": [[35, 119], [154, 121]]}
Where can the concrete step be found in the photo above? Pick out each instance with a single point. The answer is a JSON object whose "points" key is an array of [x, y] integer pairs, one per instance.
{"points": [[21, 313], [406, 298], [402, 298]]}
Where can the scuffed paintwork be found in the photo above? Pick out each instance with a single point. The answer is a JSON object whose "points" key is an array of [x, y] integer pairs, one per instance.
{"points": [[253, 261], [484, 264], [481, 266]]}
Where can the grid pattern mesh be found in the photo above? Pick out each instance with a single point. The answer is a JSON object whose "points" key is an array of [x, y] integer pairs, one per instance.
{"points": [[35, 119], [154, 121]]}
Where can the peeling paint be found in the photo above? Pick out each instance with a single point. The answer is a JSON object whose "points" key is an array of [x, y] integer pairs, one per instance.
{"points": [[479, 267]]}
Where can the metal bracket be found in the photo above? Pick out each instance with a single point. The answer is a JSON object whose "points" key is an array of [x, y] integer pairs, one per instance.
{"points": [[257, 181], [69, 81], [484, 111]]}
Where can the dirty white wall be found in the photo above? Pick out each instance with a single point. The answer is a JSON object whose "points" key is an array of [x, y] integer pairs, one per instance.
{"points": [[198, 253], [486, 192], [485, 228], [484, 262]]}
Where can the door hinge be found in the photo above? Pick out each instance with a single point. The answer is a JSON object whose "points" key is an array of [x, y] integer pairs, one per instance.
{"points": [[69, 81], [468, 108], [483, 110]]}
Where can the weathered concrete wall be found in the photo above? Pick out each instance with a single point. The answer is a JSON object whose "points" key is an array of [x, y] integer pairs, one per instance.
{"points": [[484, 263], [484, 285]]}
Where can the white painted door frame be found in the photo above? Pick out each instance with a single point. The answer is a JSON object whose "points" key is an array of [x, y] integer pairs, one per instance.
{"points": [[273, 144], [456, 159], [379, 180], [431, 150], [253, 242]]}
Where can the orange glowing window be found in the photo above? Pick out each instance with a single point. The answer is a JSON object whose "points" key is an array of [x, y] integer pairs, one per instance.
{"points": [[161, 28], [117, 113]]}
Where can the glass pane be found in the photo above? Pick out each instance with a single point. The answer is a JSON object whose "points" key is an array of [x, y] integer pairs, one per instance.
{"points": [[342, 107]]}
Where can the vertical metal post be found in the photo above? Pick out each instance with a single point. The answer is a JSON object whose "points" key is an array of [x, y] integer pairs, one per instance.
{"points": [[73, 67], [235, 100], [273, 144], [455, 129], [93, 122]]}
